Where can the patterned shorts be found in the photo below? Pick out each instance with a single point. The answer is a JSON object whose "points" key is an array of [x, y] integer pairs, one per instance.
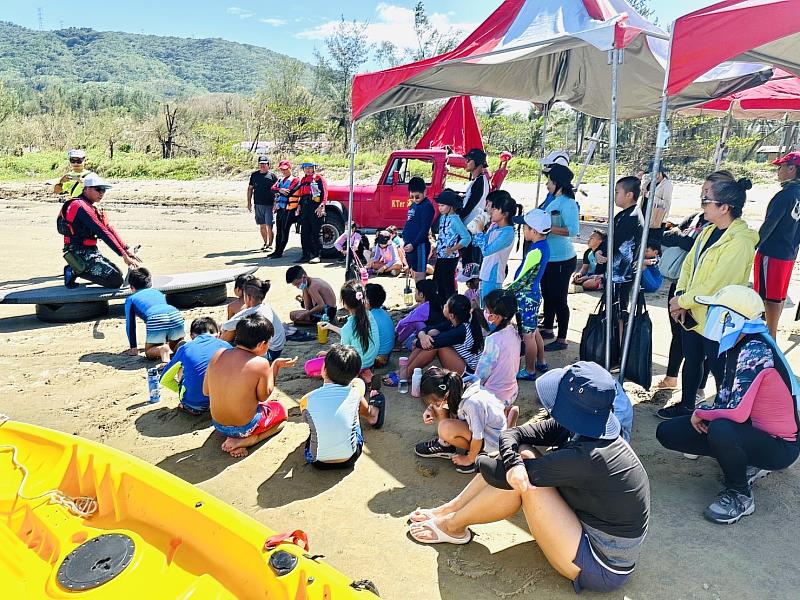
{"points": [[528, 311]]}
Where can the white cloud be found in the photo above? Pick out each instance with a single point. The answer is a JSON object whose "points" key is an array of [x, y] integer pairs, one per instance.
{"points": [[274, 22], [393, 24], [239, 12]]}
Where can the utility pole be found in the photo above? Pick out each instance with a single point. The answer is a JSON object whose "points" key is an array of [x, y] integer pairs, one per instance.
{"points": [[39, 12]]}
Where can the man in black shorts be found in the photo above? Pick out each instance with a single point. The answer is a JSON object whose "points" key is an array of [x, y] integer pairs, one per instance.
{"points": [[259, 190]]}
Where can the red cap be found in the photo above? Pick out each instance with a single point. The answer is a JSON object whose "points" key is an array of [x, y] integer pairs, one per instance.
{"points": [[284, 164], [793, 158]]}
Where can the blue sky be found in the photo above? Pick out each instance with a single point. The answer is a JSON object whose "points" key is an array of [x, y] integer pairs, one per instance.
{"points": [[263, 23]]}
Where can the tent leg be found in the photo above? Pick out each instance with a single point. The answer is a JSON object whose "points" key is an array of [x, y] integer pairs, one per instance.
{"points": [[723, 140], [541, 152], [661, 143], [615, 56], [349, 215]]}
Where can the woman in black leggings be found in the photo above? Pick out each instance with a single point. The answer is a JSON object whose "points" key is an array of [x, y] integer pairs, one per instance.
{"points": [[751, 427], [558, 272]]}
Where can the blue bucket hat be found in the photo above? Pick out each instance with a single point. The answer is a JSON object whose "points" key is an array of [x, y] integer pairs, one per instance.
{"points": [[580, 397]]}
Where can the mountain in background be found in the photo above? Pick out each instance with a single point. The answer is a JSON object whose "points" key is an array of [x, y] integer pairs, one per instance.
{"points": [[161, 65]]}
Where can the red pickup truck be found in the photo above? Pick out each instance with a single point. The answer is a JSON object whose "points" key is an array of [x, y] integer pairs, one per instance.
{"points": [[386, 203]]}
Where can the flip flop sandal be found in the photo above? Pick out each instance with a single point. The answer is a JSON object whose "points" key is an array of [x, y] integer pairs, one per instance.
{"points": [[660, 386], [379, 402], [391, 380], [300, 336], [426, 513], [441, 536]]}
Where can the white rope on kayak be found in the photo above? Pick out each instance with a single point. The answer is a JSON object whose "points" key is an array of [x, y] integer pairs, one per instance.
{"points": [[81, 506]]}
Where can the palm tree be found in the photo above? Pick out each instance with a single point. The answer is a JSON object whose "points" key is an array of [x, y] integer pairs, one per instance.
{"points": [[496, 108]]}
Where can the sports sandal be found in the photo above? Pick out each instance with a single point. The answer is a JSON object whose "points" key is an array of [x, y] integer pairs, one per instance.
{"points": [[379, 401], [391, 379], [441, 537]]}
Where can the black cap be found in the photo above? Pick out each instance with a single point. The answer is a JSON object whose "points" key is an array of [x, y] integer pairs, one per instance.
{"points": [[478, 155], [450, 198]]}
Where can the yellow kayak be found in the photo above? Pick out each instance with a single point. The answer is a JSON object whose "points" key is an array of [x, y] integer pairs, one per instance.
{"points": [[80, 520]]}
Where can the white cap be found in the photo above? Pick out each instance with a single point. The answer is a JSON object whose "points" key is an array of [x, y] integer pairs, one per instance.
{"points": [[536, 219], [94, 180], [76, 153], [557, 157]]}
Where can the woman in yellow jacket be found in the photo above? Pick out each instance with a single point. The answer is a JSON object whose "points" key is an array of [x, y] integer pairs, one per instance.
{"points": [[720, 256]]}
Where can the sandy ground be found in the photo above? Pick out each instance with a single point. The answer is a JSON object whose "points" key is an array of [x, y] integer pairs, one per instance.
{"points": [[75, 378]]}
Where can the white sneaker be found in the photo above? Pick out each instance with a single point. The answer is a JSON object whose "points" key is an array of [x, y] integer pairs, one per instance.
{"points": [[314, 260]]}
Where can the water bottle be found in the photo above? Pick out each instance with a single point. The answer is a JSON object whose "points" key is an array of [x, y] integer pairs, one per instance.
{"points": [[416, 380], [364, 274], [402, 386], [153, 385], [322, 333]]}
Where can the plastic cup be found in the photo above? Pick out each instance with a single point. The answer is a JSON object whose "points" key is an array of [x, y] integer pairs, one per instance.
{"points": [[313, 367], [322, 334]]}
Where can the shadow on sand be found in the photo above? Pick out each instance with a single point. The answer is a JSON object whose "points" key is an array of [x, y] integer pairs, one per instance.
{"points": [[297, 480]]}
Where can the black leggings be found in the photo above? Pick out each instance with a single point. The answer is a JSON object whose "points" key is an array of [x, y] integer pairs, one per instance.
{"points": [[283, 226], [735, 446], [310, 226], [698, 352], [444, 274], [555, 287], [676, 345]]}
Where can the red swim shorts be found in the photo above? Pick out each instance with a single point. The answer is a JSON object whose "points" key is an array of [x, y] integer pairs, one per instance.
{"points": [[268, 415], [771, 277]]}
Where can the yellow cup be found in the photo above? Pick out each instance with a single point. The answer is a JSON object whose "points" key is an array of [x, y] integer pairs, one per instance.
{"points": [[322, 334]]}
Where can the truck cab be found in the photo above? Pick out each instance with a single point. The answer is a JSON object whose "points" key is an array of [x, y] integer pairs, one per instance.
{"points": [[386, 202]]}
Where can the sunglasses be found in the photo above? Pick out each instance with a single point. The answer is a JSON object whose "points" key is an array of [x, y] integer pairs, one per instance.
{"points": [[76, 161], [706, 200]]}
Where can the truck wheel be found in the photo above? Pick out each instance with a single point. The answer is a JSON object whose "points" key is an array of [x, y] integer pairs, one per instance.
{"points": [[71, 311], [332, 228], [209, 296]]}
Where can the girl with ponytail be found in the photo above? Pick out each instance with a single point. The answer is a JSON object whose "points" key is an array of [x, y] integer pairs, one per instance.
{"points": [[457, 341], [468, 418], [360, 330]]}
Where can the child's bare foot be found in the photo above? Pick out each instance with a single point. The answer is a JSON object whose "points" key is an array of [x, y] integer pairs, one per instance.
{"points": [[234, 446], [164, 353], [511, 416], [423, 514]]}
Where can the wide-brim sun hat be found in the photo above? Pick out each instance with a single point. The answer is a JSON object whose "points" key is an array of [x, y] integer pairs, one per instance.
{"points": [[738, 298], [557, 157], [449, 198], [561, 175], [581, 399]]}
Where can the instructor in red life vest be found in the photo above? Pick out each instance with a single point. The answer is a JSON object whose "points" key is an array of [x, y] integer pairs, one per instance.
{"points": [[81, 222]]}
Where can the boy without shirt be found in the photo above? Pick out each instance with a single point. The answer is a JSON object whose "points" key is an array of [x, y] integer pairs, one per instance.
{"points": [[238, 382], [318, 297]]}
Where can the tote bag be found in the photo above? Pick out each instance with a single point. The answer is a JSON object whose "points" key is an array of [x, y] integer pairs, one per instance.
{"points": [[593, 338], [639, 368]]}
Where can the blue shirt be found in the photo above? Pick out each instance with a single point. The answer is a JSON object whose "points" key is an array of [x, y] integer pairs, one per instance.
{"points": [[193, 357], [452, 231], [150, 305], [332, 416], [418, 226], [385, 331], [351, 338], [561, 247]]}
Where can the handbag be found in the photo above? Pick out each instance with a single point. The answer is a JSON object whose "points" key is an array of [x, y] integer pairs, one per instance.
{"points": [[639, 367], [671, 262], [593, 337]]}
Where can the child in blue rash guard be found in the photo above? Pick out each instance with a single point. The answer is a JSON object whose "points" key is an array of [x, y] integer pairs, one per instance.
{"points": [[376, 296], [453, 236], [332, 412], [496, 244], [164, 322], [185, 372], [527, 289], [416, 233]]}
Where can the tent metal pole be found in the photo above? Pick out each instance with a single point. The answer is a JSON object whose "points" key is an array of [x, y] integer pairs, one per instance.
{"points": [[661, 142], [349, 215], [723, 139], [593, 141], [784, 147], [615, 56], [541, 152]]}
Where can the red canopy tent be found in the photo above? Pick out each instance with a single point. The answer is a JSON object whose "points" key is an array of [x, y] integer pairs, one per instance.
{"points": [[767, 31], [779, 96], [456, 126]]}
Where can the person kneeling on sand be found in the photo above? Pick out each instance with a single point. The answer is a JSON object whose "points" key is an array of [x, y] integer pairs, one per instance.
{"points": [[586, 501], [238, 383]]}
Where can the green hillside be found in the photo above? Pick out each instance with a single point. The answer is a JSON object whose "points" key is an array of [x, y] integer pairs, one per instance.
{"points": [[158, 64]]}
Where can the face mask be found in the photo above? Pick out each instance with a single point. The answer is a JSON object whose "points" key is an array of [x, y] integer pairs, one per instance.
{"points": [[492, 326], [303, 285]]}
